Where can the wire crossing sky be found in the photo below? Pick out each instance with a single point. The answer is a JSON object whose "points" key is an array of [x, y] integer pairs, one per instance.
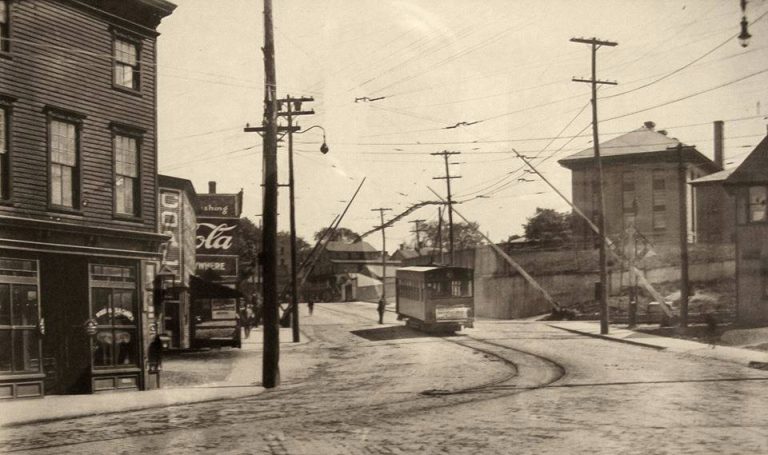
{"points": [[396, 80]]}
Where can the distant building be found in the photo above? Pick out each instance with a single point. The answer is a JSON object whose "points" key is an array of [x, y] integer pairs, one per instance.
{"points": [[79, 246], [715, 209], [640, 173], [749, 186], [340, 262]]}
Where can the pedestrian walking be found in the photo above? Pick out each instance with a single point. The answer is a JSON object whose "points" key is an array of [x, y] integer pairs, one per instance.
{"points": [[381, 307], [310, 306], [711, 320], [248, 319]]}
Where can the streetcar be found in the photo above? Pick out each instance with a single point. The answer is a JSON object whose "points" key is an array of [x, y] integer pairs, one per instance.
{"points": [[435, 298]]}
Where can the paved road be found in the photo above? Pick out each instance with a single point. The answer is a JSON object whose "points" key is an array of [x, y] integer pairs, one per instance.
{"points": [[503, 387]]}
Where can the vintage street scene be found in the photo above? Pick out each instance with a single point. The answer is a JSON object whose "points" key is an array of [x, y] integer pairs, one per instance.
{"points": [[383, 227]]}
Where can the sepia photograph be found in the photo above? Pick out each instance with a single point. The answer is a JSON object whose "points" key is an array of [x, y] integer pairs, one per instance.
{"points": [[383, 227]]}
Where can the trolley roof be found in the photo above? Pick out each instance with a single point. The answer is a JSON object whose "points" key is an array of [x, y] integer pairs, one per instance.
{"points": [[429, 268]]}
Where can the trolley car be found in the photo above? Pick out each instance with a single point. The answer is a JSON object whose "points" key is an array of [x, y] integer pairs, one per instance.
{"points": [[435, 298]]}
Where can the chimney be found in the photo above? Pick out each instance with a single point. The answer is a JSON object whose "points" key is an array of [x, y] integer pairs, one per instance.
{"points": [[212, 187], [650, 125], [719, 159]]}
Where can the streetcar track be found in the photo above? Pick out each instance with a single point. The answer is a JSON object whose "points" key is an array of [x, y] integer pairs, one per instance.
{"points": [[407, 406]]}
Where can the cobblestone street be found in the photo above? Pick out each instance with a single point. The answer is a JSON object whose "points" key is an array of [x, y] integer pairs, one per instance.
{"points": [[502, 387]]}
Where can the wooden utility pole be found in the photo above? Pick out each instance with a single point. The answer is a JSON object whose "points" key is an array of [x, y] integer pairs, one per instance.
{"points": [[683, 208], [417, 231], [449, 201], [596, 44], [293, 108], [381, 211], [271, 358], [440, 234]]}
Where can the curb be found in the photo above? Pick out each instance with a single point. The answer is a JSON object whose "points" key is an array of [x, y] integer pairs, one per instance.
{"points": [[137, 407], [610, 338]]}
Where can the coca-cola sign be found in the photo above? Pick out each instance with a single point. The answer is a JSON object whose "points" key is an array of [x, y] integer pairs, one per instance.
{"points": [[215, 236]]}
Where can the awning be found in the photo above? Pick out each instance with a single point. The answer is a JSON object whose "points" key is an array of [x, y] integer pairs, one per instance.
{"points": [[201, 289]]}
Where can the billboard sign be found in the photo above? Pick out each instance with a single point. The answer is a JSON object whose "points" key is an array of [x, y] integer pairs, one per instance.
{"points": [[224, 265], [218, 205]]}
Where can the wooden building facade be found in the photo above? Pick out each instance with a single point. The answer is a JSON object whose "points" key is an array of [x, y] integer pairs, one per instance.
{"points": [[749, 185], [79, 247]]}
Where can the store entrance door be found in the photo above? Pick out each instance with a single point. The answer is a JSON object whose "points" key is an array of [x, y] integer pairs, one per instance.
{"points": [[64, 304]]}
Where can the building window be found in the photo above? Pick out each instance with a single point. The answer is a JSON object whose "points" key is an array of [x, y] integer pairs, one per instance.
{"points": [[64, 163], [127, 187], [19, 317], [126, 63], [629, 200], [756, 204], [5, 161], [659, 201], [114, 308], [5, 22]]}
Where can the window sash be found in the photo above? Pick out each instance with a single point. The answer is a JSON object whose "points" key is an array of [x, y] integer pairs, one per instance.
{"points": [[756, 202], [126, 63], [63, 143], [126, 156], [62, 189], [3, 13]]}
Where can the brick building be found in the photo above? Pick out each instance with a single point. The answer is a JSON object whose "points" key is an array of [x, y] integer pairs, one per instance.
{"points": [[79, 246], [640, 172]]}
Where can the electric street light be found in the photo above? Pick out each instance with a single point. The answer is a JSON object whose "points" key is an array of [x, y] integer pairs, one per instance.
{"points": [[294, 284], [744, 36]]}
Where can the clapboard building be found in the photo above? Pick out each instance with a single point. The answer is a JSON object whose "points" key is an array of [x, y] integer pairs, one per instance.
{"points": [[79, 241]]}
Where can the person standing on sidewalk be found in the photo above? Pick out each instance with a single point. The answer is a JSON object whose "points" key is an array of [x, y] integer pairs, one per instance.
{"points": [[381, 307], [310, 306]]}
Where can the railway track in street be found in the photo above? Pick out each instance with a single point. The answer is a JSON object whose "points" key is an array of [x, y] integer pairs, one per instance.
{"points": [[289, 408]]}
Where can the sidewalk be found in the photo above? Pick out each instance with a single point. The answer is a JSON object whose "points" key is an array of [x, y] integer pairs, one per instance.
{"points": [[730, 354], [243, 381]]}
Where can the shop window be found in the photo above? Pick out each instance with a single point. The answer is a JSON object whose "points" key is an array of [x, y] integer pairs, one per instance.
{"points": [[5, 25], [64, 147], [19, 317], [5, 161], [127, 187], [114, 307], [756, 204], [126, 63]]}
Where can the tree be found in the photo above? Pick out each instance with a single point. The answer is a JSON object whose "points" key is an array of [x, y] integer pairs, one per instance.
{"points": [[549, 226], [340, 234], [465, 236]]}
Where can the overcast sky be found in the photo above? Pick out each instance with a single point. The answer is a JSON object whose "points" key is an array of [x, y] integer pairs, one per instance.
{"points": [[505, 64]]}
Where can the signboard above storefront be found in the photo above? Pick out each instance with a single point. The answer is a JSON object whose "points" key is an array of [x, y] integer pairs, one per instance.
{"points": [[223, 265], [218, 205]]}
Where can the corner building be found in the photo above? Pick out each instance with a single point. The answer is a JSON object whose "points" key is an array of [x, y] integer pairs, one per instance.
{"points": [[79, 245]]}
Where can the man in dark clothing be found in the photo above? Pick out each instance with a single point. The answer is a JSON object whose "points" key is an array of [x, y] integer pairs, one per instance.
{"points": [[310, 306], [382, 306]]}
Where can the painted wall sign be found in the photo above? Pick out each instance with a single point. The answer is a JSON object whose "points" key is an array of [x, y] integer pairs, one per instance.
{"points": [[223, 265], [216, 236], [170, 224]]}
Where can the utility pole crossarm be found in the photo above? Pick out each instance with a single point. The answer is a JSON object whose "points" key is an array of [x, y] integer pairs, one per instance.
{"points": [[594, 42], [590, 81]]}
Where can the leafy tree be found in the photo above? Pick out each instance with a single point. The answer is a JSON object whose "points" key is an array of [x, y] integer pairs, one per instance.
{"points": [[465, 236], [340, 234], [549, 226]]}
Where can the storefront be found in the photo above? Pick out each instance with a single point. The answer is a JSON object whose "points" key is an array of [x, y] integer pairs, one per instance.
{"points": [[76, 318]]}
